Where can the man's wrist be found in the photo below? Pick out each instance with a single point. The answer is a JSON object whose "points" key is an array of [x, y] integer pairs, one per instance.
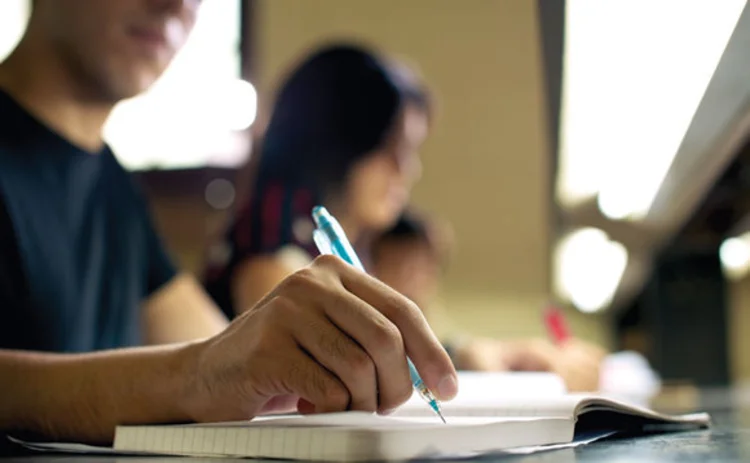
{"points": [[189, 386]]}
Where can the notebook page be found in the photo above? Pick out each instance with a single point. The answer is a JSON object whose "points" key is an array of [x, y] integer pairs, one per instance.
{"points": [[593, 403], [344, 420], [563, 406], [483, 388], [345, 436]]}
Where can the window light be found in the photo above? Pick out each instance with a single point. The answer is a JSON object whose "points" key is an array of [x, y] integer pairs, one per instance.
{"points": [[634, 74]]}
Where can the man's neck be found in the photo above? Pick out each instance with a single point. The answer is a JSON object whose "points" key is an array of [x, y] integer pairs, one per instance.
{"points": [[35, 78]]}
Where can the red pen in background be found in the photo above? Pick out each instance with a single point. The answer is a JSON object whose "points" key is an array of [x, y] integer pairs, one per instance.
{"points": [[557, 327]]}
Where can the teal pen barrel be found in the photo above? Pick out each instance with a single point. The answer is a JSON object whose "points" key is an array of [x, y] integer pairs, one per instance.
{"points": [[415, 379], [336, 236]]}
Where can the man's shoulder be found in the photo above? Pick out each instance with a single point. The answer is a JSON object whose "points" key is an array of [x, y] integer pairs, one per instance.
{"points": [[9, 150], [12, 170], [124, 191], [119, 177]]}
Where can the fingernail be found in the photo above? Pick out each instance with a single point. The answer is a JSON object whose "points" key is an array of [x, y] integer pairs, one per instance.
{"points": [[388, 412], [447, 387]]}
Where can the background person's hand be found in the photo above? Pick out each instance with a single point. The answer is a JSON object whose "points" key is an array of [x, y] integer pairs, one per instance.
{"points": [[328, 338], [576, 361]]}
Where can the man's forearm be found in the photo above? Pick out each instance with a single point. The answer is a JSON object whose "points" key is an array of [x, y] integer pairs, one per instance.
{"points": [[181, 311], [82, 397]]}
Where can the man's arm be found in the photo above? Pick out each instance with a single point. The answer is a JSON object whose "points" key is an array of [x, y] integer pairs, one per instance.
{"points": [[181, 311], [82, 397], [327, 339]]}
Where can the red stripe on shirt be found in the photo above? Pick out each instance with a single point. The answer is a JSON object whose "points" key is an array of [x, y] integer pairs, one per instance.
{"points": [[303, 202], [272, 215], [243, 229]]}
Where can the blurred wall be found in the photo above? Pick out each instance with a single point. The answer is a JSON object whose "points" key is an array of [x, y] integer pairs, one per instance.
{"points": [[739, 329], [486, 162]]}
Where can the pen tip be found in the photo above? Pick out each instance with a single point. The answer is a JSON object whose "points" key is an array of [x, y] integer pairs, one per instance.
{"points": [[435, 406]]}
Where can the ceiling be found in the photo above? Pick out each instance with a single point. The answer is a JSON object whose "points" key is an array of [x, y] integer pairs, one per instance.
{"points": [[706, 192]]}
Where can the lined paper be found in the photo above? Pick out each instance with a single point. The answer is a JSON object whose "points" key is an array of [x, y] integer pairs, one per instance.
{"points": [[343, 436], [413, 432]]}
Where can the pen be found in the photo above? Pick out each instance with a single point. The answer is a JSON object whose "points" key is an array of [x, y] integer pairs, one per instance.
{"points": [[330, 238], [557, 327]]}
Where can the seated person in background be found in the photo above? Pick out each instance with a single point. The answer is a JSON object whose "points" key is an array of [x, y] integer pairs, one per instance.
{"points": [[345, 133], [411, 256], [82, 269]]}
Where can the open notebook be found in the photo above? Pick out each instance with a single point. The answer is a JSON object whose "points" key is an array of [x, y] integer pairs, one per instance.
{"points": [[517, 426]]}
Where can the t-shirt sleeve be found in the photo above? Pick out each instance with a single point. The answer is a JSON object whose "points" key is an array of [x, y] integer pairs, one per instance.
{"points": [[158, 265], [12, 284], [161, 268], [7, 256], [15, 318]]}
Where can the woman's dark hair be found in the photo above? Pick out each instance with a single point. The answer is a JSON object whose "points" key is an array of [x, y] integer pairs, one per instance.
{"points": [[335, 108]]}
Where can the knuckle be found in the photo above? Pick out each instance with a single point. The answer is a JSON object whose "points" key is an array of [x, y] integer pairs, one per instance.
{"points": [[327, 261], [337, 397], [401, 307], [387, 338], [283, 307], [303, 281], [360, 364], [325, 391], [300, 279], [411, 308]]}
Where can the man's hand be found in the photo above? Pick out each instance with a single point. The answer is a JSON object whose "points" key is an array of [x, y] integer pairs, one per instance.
{"points": [[328, 338]]}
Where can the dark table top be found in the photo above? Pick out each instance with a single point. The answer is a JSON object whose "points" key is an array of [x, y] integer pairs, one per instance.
{"points": [[727, 441]]}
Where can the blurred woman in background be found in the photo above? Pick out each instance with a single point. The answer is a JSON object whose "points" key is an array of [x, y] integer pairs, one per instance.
{"points": [[345, 132]]}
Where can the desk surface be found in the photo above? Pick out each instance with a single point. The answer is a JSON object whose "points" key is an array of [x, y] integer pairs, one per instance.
{"points": [[727, 441]]}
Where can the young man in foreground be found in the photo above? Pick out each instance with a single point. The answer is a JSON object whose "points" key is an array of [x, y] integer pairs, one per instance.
{"points": [[82, 270]]}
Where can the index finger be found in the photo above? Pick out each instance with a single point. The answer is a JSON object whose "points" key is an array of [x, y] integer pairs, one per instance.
{"points": [[422, 346]]}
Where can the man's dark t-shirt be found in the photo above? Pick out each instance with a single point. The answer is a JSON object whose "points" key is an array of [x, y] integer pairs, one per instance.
{"points": [[78, 252]]}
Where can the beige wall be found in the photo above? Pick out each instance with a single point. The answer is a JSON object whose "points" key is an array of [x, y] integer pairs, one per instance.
{"points": [[485, 163], [739, 329]]}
